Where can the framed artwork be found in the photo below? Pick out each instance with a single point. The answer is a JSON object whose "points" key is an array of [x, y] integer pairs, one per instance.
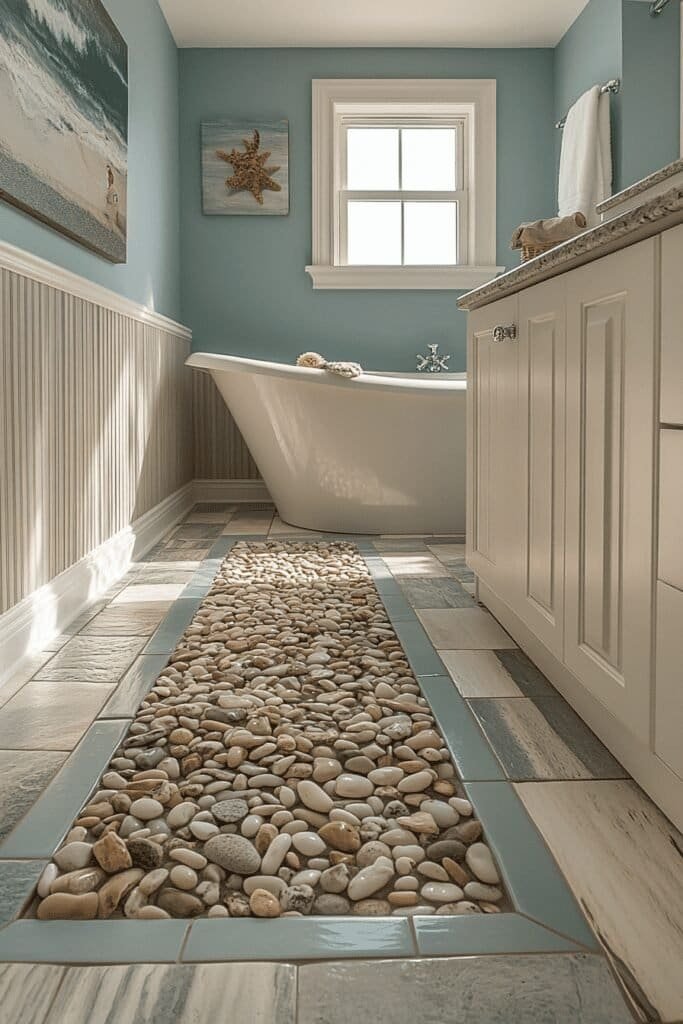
{"points": [[245, 167], [64, 121]]}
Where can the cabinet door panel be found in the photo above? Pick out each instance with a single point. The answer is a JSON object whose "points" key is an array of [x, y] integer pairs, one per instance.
{"points": [[610, 480], [492, 446], [541, 502]]}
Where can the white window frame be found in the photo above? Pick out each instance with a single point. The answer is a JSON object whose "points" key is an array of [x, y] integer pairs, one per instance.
{"points": [[468, 103]]}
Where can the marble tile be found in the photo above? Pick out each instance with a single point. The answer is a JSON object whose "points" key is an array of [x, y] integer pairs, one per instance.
{"points": [[18, 879], [411, 544], [93, 942], [498, 673], [436, 592], [50, 715], [136, 684], [476, 934], [299, 938], [445, 551], [177, 994], [187, 557], [209, 517], [158, 574], [543, 738], [414, 563], [461, 629], [560, 989], [25, 670], [86, 616], [197, 531], [127, 619], [27, 991], [465, 740], [249, 522], [23, 777], [151, 593], [624, 861], [43, 826], [91, 659]]}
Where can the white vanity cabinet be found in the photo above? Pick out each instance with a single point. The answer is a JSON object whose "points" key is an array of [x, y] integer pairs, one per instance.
{"points": [[563, 494]]}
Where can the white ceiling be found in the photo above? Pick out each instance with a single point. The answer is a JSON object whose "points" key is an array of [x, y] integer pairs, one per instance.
{"points": [[210, 23]]}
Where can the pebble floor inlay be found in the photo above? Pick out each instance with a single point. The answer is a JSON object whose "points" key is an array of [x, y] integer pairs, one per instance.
{"points": [[285, 763]]}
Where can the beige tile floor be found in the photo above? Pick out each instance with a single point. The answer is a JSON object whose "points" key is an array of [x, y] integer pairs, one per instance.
{"points": [[618, 852]]}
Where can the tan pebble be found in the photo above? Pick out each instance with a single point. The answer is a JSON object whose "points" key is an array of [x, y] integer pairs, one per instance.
{"points": [[115, 889], [78, 882], [341, 836], [415, 783], [65, 906], [111, 853], [264, 904], [264, 837], [421, 822], [403, 899], [183, 877], [371, 908], [456, 872], [150, 913]]}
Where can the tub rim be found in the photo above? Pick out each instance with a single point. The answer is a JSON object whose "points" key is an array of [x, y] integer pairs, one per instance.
{"points": [[368, 381]]}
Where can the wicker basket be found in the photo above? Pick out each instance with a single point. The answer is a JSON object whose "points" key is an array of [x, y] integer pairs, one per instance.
{"points": [[528, 252]]}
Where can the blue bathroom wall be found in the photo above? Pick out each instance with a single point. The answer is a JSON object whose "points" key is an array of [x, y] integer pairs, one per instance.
{"points": [[651, 89], [244, 288], [590, 52], [152, 274], [619, 39]]}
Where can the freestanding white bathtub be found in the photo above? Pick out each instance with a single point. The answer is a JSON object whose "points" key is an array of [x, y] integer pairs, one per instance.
{"points": [[383, 453]]}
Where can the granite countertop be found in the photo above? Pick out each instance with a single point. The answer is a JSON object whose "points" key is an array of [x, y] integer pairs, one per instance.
{"points": [[652, 216], [641, 186]]}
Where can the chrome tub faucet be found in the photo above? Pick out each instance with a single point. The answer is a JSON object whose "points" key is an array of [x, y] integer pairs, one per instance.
{"points": [[432, 363]]}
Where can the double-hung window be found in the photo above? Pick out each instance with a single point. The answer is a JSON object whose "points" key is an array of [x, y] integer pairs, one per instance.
{"points": [[403, 183]]}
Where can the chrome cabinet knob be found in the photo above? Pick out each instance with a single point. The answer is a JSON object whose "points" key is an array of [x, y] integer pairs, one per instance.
{"points": [[505, 331]]}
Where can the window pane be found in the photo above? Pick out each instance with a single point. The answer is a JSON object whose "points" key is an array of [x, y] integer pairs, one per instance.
{"points": [[374, 233], [430, 233], [428, 158], [372, 158]]}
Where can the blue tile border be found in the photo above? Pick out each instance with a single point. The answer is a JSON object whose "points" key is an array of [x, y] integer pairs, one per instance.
{"points": [[459, 935], [299, 938], [93, 942], [546, 918]]}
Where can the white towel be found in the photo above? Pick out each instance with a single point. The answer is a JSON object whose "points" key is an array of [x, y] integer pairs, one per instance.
{"points": [[586, 158]]}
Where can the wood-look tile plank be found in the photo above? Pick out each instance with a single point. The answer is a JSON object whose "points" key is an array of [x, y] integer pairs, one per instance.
{"points": [[182, 994], [27, 991], [624, 861], [460, 629], [543, 738]]}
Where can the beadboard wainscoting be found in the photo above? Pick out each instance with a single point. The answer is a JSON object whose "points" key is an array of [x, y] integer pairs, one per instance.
{"points": [[96, 448]]}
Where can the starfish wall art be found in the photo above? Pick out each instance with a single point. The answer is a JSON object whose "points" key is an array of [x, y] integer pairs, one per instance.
{"points": [[245, 167]]}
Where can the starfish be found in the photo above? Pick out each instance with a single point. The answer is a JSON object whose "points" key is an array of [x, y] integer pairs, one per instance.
{"points": [[251, 173]]}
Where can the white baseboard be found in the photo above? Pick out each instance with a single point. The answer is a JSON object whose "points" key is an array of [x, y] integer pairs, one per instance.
{"points": [[230, 490], [44, 614]]}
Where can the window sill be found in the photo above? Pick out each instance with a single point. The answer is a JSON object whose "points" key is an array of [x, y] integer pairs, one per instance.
{"points": [[401, 278]]}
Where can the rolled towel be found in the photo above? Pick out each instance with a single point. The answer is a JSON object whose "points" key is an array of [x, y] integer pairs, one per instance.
{"points": [[315, 361], [541, 234]]}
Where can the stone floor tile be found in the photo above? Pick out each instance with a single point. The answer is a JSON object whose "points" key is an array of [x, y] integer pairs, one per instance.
{"points": [[27, 991], [543, 738], [459, 629], [624, 861], [24, 671], [436, 592], [177, 994], [197, 531], [93, 659], [18, 878], [23, 777], [50, 715], [414, 563], [136, 684], [501, 673], [547, 989], [154, 593], [43, 826], [127, 619]]}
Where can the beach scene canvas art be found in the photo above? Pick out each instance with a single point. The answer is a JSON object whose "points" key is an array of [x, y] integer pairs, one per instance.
{"points": [[245, 167], [64, 119]]}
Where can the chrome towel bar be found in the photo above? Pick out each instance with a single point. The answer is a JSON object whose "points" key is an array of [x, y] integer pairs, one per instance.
{"points": [[614, 85]]}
